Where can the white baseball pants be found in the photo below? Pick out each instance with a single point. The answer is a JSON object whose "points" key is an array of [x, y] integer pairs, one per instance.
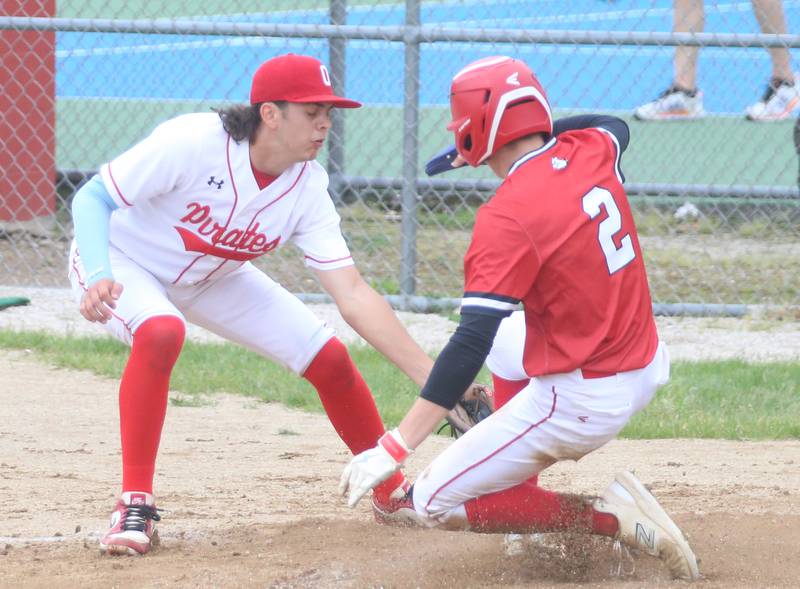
{"points": [[246, 307], [556, 417]]}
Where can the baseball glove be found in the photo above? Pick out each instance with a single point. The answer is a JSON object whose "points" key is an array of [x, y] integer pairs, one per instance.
{"points": [[475, 406]]}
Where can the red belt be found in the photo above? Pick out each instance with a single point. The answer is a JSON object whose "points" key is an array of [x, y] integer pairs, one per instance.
{"points": [[596, 373]]}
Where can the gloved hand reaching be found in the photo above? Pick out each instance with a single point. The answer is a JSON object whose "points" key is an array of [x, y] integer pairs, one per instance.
{"points": [[373, 466]]}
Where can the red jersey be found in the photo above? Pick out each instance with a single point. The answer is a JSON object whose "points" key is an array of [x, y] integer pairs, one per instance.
{"points": [[559, 236]]}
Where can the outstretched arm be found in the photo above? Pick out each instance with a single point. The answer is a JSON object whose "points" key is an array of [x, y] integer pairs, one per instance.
{"points": [[371, 316], [456, 367]]}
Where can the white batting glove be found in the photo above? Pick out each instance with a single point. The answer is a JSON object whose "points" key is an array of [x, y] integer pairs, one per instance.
{"points": [[373, 466]]}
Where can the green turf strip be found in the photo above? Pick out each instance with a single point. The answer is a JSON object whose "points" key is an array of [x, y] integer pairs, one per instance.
{"points": [[718, 150], [724, 400], [6, 302]]}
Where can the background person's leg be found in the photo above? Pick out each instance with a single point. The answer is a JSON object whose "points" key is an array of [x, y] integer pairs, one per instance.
{"points": [[688, 17], [772, 20]]}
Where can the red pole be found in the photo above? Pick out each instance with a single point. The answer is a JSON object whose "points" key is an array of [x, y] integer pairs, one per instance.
{"points": [[27, 120]]}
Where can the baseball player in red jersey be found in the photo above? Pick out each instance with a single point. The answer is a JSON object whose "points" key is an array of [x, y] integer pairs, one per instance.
{"points": [[166, 233], [573, 366]]}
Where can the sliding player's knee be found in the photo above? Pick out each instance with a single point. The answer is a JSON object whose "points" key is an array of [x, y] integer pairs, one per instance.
{"points": [[438, 509]]}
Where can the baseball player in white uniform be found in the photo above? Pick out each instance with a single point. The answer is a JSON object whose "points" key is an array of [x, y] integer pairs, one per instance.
{"points": [[166, 233]]}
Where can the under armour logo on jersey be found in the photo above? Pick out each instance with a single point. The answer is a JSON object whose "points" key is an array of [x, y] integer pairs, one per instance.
{"points": [[217, 183], [558, 163], [513, 79]]}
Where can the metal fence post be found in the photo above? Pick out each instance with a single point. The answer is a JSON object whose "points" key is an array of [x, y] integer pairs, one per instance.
{"points": [[408, 260], [336, 52]]}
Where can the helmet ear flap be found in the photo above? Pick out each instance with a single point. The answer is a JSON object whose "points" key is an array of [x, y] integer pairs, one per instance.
{"points": [[462, 130], [468, 107]]}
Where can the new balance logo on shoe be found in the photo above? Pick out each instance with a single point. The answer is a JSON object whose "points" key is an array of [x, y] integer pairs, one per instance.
{"points": [[644, 538], [644, 525]]}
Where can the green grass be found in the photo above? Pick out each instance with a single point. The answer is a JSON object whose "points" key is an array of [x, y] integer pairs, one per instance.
{"points": [[725, 400], [204, 369]]}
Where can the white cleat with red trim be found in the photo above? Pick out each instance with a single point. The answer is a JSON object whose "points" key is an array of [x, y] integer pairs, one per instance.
{"points": [[397, 510], [133, 530]]}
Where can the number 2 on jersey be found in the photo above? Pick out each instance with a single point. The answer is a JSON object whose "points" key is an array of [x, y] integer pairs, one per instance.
{"points": [[615, 258]]}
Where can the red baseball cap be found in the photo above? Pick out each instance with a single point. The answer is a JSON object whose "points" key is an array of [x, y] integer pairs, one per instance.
{"points": [[295, 78]]}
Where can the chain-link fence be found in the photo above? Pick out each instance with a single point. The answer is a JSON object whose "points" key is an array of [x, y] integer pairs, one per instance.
{"points": [[715, 197]]}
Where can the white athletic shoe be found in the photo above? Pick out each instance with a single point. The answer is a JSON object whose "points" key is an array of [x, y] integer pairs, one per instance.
{"points": [[777, 104], [644, 525], [671, 105], [133, 530]]}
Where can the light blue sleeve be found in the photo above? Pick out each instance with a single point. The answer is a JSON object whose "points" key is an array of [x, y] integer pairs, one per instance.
{"points": [[91, 216]]}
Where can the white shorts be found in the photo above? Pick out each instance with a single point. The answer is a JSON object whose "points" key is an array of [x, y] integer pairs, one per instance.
{"points": [[505, 357], [246, 307], [555, 417]]}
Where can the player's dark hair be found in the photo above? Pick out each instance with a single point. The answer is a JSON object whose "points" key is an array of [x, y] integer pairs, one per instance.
{"points": [[241, 121]]}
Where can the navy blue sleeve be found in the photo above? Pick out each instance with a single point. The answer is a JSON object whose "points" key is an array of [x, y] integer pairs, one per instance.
{"points": [[614, 125], [461, 359]]}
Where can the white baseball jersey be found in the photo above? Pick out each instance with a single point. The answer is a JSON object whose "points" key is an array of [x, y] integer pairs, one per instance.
{"points": [[191, 210]]}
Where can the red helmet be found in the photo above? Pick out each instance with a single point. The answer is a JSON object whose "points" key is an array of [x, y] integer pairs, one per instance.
{"points": [[494, 101]]}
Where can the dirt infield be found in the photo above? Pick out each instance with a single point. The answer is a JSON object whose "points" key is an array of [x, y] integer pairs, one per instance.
{"points": [[248, 492]]}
